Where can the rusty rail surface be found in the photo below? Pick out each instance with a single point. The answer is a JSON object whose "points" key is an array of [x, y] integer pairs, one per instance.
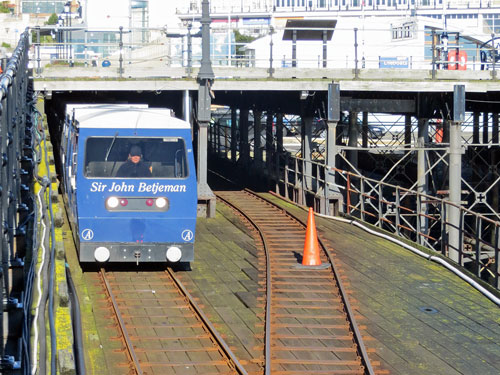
{"points": [[163, 329], [310, 326]]}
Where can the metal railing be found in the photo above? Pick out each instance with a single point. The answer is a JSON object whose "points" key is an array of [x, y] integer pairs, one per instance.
{"points": [[362, 51], [418, 217], [16, 100], [404, 212]]}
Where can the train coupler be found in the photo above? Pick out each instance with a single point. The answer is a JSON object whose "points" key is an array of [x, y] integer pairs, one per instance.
{"points": [[137, 255]]}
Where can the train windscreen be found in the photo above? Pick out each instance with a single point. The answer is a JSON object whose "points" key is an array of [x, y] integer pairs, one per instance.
{"points": [[135, 157]]}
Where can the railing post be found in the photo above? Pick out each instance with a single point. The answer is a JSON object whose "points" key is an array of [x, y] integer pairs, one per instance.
{"points": [[419, 224], [189, 50], [356, 72], [348, 194], [380, 198], [362, 198], [38, 59], [497, 257], [120, 70], [493, 57], [398, 210], [478, 246], [271, 69], [433, 36], [444, 225], [287, 196]]}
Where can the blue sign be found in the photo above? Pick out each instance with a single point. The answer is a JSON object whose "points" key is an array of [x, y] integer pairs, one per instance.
{"points": [[255, 21], [393, 62]]}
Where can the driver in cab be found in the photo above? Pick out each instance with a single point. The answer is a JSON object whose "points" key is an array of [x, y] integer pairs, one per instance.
{"points": [[134, 166]]}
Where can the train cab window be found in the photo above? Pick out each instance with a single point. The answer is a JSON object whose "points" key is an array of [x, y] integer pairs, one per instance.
{"points": [[160, 157]]}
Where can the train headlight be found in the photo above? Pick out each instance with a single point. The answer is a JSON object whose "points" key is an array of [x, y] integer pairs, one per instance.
{"points": [[174, 254], [101, 254], [112, 202], [161, 202]]}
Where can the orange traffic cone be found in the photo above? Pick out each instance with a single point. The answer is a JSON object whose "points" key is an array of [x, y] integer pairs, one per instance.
{"points": [[311, 245]]}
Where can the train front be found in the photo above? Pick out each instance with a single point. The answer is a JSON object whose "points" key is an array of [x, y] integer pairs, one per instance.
{"points": [[136, 191]]}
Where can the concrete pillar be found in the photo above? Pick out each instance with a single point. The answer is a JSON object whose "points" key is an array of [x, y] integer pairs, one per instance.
{"points": [[206, 197], [446, 131], [423, 139], [257, 130], [455, 174], [234, 134], [334, 199]]}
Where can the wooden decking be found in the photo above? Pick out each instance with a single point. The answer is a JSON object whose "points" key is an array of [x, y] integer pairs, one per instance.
{"points": [[419, 317], [423, 319]]}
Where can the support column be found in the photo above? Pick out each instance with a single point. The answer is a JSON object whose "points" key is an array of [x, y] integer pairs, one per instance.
{"points": [[217, 133], [234, 134], [446, 130], [206, 198], [364, 130], [475, 128], [422, 188], [334, 201], [244, 146], [279, 149], [306, 149], [257, 131], [485, 128], [269, 143], [408, 131], [494, 129], [455, 174], [353, 139]]}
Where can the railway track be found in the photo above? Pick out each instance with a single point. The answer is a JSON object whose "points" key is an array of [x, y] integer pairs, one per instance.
{"points": [[309, 325], [160, 327]]}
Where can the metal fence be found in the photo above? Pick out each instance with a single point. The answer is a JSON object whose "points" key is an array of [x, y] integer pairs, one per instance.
{"points": [[406, 213], [16, 97], [419, 217], [360, 49]]}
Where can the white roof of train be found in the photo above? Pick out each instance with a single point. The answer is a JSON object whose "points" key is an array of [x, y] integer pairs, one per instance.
{"points": [[124, 116]]}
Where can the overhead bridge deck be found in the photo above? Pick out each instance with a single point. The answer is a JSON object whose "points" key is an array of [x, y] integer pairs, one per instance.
{"points": [[164, 78]]}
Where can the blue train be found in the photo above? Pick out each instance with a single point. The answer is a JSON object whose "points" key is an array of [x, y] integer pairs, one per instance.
{"points": [[129, 183]]}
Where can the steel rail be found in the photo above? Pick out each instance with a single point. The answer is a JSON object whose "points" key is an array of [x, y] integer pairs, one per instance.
{"points": [[121, 324], [267, 329], [350, 314], [218, 338]]}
